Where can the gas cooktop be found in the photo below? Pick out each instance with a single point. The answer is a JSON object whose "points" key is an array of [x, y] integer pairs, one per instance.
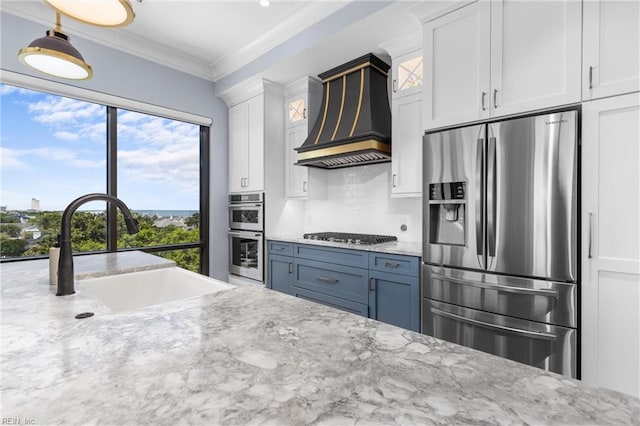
{"points": [[342, 237]]}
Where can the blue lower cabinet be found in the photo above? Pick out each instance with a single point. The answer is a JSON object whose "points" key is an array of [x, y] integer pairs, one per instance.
{"points": [[344, 282], [280, 273], [334, 302], [395, 299]]}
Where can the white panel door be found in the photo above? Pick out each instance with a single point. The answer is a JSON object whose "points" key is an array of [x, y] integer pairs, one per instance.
{"points": [[535, 54], [238, 147], [456, 52], [611, 243], [255, 154], [297, 177], [611, 48], [406, 137]]}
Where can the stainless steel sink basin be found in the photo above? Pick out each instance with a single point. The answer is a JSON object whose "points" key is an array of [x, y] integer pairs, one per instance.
{"points": [[137, 290]]}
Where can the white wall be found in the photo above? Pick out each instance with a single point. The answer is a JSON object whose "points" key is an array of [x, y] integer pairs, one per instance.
{"points": [[358, 201], [124, 75]]}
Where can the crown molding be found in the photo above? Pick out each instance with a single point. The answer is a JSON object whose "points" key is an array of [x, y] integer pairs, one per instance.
{"points": [[407, 43], [249, 89]]}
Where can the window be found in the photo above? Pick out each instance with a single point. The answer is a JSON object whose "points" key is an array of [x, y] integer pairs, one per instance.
{"points": [[55, 149]]}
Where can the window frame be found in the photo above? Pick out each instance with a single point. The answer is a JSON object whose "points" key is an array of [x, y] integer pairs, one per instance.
{"points": [[111, 169]]}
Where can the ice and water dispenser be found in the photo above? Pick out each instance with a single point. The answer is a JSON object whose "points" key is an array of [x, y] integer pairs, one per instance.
{"points": [[447, 213]]}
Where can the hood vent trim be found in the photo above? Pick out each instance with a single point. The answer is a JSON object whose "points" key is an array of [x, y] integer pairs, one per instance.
{"points": [[354, 126]]}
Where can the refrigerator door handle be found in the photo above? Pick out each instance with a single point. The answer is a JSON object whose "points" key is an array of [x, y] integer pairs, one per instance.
{"points": [[491, 196], [479, 202]]}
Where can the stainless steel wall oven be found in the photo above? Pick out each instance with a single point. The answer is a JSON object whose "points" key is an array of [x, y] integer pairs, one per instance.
{"points": [[246, 235]]}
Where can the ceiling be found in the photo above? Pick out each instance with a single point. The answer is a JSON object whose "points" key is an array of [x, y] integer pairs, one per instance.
{"points": [[213, 39]]}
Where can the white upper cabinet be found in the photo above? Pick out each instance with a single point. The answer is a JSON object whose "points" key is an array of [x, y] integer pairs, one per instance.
{"points": [[456, 53], [302, 103], [406, 139], [610, 285], [501, 57], [535, 54], [611, 43], [246, 146], [408, 74]]}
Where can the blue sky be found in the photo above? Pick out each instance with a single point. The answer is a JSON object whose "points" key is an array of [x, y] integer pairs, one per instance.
{"points": [[54, 149]]}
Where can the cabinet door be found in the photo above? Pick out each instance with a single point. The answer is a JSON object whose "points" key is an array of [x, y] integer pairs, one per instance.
{"points": [[611, 243], [611, 43], [296, 109], [535, 54], [280, 274], [297, 177], [456, 52], [406, 134], [408, 73], [255, 144], [395, 299], [238, 147]]}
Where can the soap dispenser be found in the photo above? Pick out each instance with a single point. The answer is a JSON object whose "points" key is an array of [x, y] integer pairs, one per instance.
{"points": [[54, 255]]}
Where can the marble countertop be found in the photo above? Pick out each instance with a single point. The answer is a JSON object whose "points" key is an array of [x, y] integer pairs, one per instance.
{"points": [[250, 355], [408, 248]]}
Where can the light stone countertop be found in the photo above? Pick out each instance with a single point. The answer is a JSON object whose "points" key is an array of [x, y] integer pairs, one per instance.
{"points": [[408, 248], [250, 355]]}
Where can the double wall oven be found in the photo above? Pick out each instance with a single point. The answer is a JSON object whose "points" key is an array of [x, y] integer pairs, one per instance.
{"points": [[500, 270], [246, 235]]}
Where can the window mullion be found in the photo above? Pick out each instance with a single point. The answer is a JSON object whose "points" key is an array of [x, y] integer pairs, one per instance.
{"points": [[112, 177]]}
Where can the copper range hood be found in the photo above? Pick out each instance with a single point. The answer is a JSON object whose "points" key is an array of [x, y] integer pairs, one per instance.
{"points": [[354, 125]]}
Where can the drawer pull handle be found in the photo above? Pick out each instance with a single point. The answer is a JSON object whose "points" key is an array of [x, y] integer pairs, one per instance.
{"points": [[278, 248], [391, 265], [372, 284], [327, 280], [290, 268]]}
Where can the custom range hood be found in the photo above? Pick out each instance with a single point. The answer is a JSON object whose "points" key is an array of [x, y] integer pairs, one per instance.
{"points": [[354, 125]]}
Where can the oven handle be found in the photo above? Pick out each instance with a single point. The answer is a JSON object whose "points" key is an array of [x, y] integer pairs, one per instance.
{"points": [[244, 205], [498, 287], [244, 234], [518, 331]]}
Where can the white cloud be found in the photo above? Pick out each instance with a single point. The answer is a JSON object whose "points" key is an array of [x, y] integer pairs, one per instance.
{"points": [[16, 158], [9, 159], [6, 89], [67, 136]]}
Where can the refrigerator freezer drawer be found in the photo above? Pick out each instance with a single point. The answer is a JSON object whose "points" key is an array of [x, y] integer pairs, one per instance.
{"points": [[545, 346], [530, 299]]}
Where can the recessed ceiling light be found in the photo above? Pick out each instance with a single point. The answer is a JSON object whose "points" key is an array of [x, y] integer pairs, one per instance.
{"points": [[264, 3]]}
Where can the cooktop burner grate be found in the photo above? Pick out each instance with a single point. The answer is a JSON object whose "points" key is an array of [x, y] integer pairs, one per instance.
{"points": [[343, 237]]}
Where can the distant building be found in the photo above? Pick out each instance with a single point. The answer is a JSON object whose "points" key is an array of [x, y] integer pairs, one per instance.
{"points": [[163, 223], [33, 231], [35, 204], [3, 208]]}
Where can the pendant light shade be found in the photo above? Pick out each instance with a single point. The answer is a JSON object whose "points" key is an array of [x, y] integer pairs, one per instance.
{"points": [[54, 55], [103, 13]]}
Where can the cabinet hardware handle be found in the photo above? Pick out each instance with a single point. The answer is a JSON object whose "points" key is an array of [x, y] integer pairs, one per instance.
{"points": [[327, 280], [278, 248], [391, 265], [372, 284], [393, 180], [242, 182], [495, 98], [291, 268], [590, 227], [590, 80], [304, 186], [484, 94], [395, 85], [304, 113]]}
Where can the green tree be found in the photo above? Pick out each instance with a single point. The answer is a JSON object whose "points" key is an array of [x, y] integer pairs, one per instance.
{"points": [[11, 229], [7, 218], [193, 220], [12, 247]]}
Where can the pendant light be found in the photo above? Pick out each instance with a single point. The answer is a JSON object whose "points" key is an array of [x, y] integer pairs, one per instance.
{"points": [[103, 13], [54, 55]]}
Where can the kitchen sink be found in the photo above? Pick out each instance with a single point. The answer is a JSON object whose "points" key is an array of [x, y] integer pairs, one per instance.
{"points": [[137, 290]]}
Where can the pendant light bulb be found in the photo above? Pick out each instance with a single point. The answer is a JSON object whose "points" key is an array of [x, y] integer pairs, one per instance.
{"points": [[54, 55], [103, 13]]}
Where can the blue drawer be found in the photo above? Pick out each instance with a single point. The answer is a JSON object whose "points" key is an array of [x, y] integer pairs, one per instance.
{"points": [[334, 302], [279, 248], [346, 257], [394, 263], [340, 281]]}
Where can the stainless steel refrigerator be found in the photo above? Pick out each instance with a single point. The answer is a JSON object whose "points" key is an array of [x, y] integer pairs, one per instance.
{"points": [[500, 239]]}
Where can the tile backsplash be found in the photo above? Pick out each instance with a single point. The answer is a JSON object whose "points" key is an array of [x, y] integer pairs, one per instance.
{"points": [[358, 200]]}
